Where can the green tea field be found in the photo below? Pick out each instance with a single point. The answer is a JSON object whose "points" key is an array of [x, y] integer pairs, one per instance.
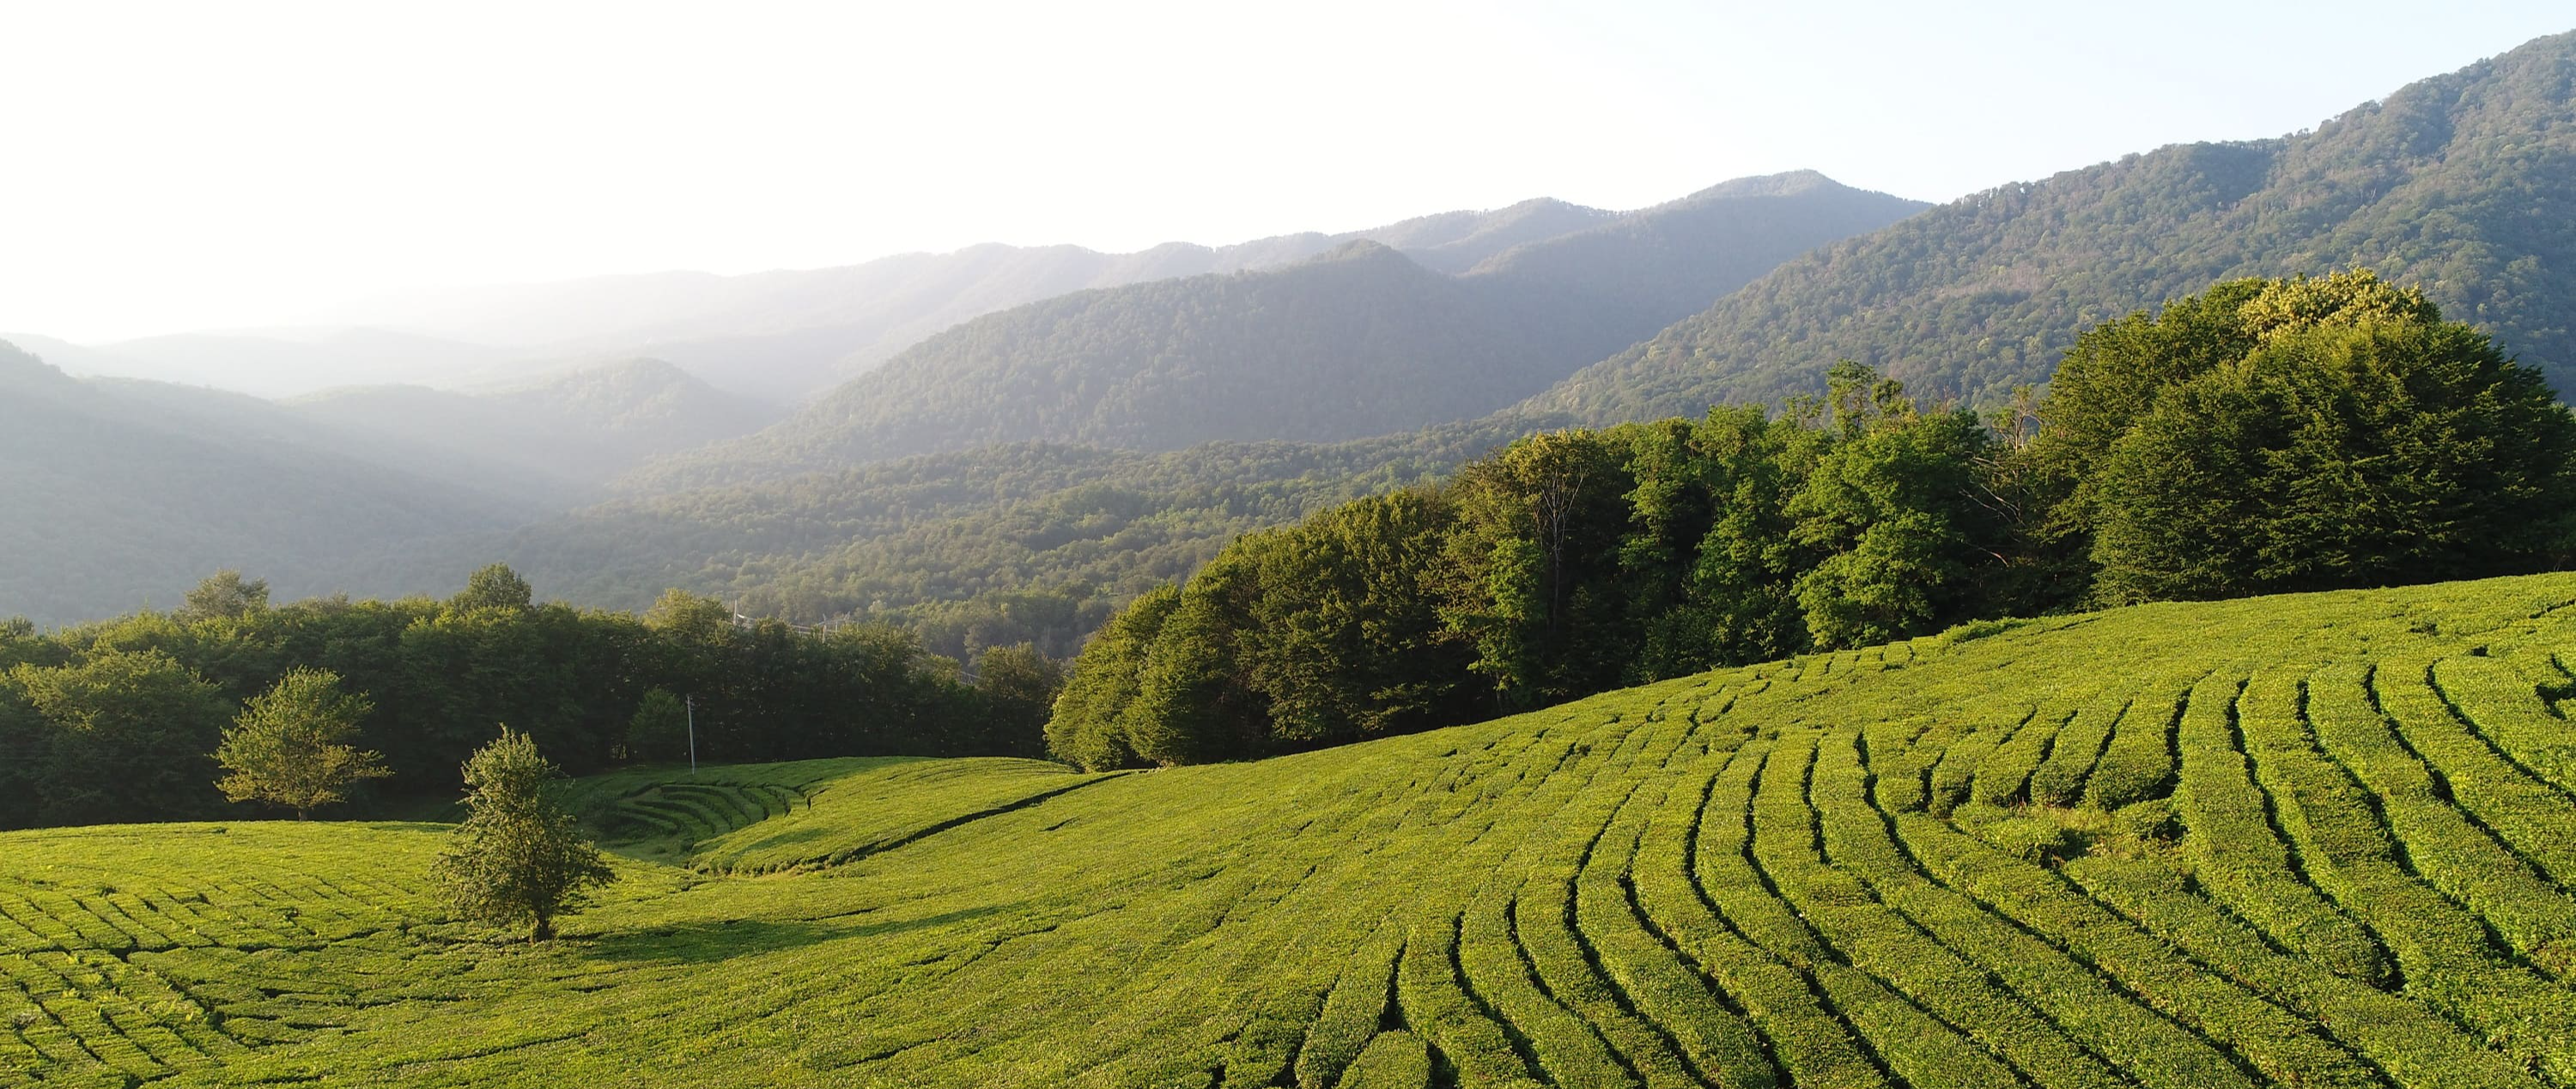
{"points": [[2320, 840]]}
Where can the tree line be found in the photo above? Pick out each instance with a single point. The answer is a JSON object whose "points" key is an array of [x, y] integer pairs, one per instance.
{"points": [[123, 720], [2264, 436]]}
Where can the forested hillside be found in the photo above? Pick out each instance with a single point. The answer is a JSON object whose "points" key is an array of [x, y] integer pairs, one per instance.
{"points": [[2464, 184], [1649, 266], [998, 545], [1361, 341], [2261, 436], [116, 497]]}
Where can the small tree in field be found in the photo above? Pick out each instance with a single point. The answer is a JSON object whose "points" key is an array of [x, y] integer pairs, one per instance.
{"points": [[290, 745], [518, 857]]}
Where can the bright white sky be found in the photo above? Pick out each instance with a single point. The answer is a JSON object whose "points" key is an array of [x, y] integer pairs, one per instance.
{"points": [[196, 165]]}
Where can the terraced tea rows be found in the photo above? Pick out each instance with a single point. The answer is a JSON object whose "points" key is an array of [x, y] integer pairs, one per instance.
{"points": [[2313, 841], [111, 975], [702, 811]]}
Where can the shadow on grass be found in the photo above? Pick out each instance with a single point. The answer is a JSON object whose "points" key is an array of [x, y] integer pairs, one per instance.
{"points": [[703, 943]]}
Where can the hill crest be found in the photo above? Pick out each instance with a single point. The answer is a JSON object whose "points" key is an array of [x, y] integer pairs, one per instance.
{"points": [[2450, 182]]}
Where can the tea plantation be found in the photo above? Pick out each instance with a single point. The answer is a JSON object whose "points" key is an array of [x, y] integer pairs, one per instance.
{"points": [[2321, 840]]}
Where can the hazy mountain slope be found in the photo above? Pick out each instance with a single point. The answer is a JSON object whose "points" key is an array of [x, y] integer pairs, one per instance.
{"points": [[198, 410], [584, 427], [2465, 183], [786, 334], [1458, 241], [113, 502], [73, 359], [1360, 342], [284, 366], [1646, 269], [1363, 341]]}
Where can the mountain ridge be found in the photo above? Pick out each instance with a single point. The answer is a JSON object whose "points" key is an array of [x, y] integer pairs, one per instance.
{"points": [[1360, 340], [2459, 183]]}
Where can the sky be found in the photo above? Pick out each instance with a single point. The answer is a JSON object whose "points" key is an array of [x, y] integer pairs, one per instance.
{"points": [[191, 166]]}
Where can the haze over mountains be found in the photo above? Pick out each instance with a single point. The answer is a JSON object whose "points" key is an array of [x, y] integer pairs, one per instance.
{"points": [[1361, 341], [1095, 422], [779, 336], [579, 429], [119, 494], [790, 334]]}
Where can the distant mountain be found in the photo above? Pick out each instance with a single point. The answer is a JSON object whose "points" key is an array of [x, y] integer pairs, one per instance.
{"points": [[272, 365], [1361, 341], [581, 428], [785, 335], [1643, 268], [122, 493], [1458, 241], [2464, 184]]}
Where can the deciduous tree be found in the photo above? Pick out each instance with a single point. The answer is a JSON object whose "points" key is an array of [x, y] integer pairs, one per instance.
{"points": [[290, 746], [224, 594], [518, 858], [493, 587]]}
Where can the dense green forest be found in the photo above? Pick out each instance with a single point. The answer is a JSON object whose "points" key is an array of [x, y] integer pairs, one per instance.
{"points": [[2464, 184], [119, 720], [2261, 437], [1360, 341]]}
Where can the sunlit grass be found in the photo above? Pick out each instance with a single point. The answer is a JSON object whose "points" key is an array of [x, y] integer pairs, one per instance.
{"points": [[2312, 840]]}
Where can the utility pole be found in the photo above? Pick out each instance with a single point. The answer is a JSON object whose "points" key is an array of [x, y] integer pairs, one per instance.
{"points": [[693, 736]]}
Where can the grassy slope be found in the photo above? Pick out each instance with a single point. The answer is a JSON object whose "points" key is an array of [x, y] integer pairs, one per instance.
{"points": [[1822, 872]]}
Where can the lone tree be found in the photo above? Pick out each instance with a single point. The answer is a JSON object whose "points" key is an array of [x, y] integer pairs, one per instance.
{"points": [[517, 858], [290, 745]]}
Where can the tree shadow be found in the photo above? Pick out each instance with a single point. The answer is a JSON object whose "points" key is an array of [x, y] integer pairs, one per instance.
{"points": [[704, 943]]}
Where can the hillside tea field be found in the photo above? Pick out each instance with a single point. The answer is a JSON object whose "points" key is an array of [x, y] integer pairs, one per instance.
{"points": [[2320, 840]]}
